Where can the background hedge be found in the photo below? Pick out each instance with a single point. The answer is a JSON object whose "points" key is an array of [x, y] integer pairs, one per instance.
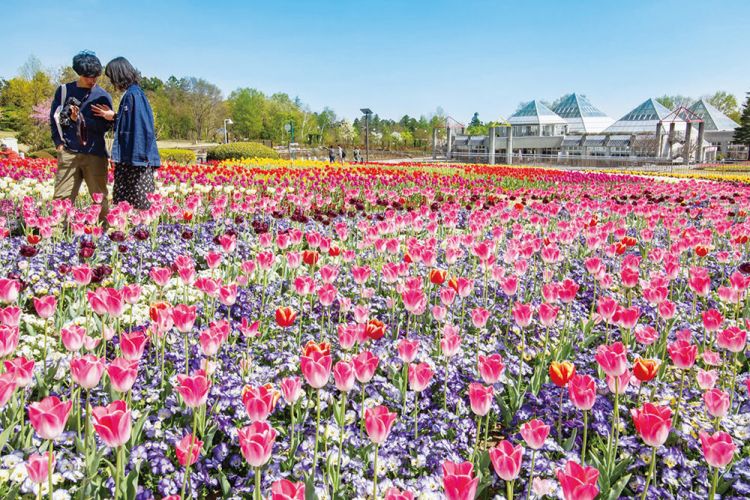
{"points": [[177, 155], [238, 150]]}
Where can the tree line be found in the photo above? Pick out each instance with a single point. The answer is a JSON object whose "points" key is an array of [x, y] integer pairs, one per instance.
{"points": [[194, 109]]}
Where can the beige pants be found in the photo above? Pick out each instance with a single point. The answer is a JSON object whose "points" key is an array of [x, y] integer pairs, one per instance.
{"points": [[73, 169]]}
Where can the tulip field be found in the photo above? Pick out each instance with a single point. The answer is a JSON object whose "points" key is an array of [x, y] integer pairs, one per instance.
{"points": [[413, 331]]}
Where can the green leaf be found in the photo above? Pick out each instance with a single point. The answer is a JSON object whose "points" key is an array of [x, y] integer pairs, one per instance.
{"points": [[4, 437], [131, 482], [567, 445], [137, 429], [618, 487], [310, 488], [225, 486]]}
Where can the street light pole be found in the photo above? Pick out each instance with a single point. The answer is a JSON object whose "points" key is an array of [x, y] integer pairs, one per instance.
{"points": [[367, 112], [227, 121]]}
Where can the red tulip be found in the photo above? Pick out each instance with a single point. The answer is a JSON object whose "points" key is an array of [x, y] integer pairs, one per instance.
{"points": [[48, 416], [612, 358], [285, 316], [582, 391], [188, 449], [259, 401], [459, 482], [561, 372], [193, 389], [506, 460], [283, 489], [437, 276], [534, 432], [491, 368], [653, 423], [378, 423], [87, 370], [37, 467], [122, 374], [112, 423], [480, 398], [578, 483], [375, 329], [718, 448], [256, 442], [645, 369]]}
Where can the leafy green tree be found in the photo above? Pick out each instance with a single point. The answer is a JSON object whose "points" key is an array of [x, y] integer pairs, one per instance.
{"points": [[742, 133], [247, 107], [675, 101], [726, 103]]}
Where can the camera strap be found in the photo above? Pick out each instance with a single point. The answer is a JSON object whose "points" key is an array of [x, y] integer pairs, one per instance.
{"points": [[58, 110]]}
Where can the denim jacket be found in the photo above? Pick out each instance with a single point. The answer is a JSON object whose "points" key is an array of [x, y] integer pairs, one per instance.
{"points": [[135, 140]]}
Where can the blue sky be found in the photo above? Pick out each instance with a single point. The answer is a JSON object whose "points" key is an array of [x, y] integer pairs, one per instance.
{"points": [[400, 57]]}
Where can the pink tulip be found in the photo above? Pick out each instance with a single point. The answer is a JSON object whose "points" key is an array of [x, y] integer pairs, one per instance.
{"points": [[459, 482], [378, 423], [72, 337], [682, 354], [188, 449], [733, 339], [577, 482], [8, 340], [9, 289], [228, 294], [479, 317], [291, 389], [259, 401], [582, 391], [131, 293], [712, 320], [256, 442], [365, 365], [283, 489], [7, 386], [10, 316], [193, 389], [622, 382], [48, 416], [22, 370], [82, 275], [718, 448], [45, 306], [506, 460], [653, 423], [316, 368], [87, 370], [420, 375], [183, 317], [548, 314], [717, 402], [122, 374], [491, 368], [343, 376], [480, 398], [646, 335], [450, 343], [522, 314], [37, 467], [613, 358], [160, 275], [394, 493], [210, 341], [408, 349], [707, 379], [535, 432], [112, 423], [133, 344]]}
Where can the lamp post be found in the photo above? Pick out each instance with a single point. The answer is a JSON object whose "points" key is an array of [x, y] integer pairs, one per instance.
{"points": [[367, 112], [227, 121]]}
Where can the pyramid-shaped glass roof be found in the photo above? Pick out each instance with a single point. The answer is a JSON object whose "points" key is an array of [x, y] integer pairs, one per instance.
{"points": [[712, 117], [642, 119], [534, 112], [576, 106]]}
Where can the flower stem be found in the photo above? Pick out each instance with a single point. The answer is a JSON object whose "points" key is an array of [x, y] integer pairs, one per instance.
{"points": [[509, 490], [650, 472], [585, 431], [118, 466], [375, 475], [317, 431], [712, 492], [50, 458], [257, 484], [531, 475], [416, 414], [679, 399]]}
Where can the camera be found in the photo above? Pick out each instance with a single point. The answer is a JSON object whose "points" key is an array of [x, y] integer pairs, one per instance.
{"points": [[65, 120]]}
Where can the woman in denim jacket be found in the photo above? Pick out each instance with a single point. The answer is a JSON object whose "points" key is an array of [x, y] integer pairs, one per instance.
{"points": [[134, 150]]}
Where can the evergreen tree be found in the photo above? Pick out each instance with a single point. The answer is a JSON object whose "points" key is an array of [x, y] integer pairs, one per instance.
{"points": [[742, 133], [475, 121]]}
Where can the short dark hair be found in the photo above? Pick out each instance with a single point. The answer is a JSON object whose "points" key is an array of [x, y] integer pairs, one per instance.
{"points": [[85, 63], [122, 73]]}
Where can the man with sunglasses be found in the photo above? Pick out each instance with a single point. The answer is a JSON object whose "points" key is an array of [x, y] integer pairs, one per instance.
{"points": [[79, 135]]}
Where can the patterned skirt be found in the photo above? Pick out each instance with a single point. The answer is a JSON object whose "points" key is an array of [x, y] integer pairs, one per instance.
{"points": [[133, 184]]}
